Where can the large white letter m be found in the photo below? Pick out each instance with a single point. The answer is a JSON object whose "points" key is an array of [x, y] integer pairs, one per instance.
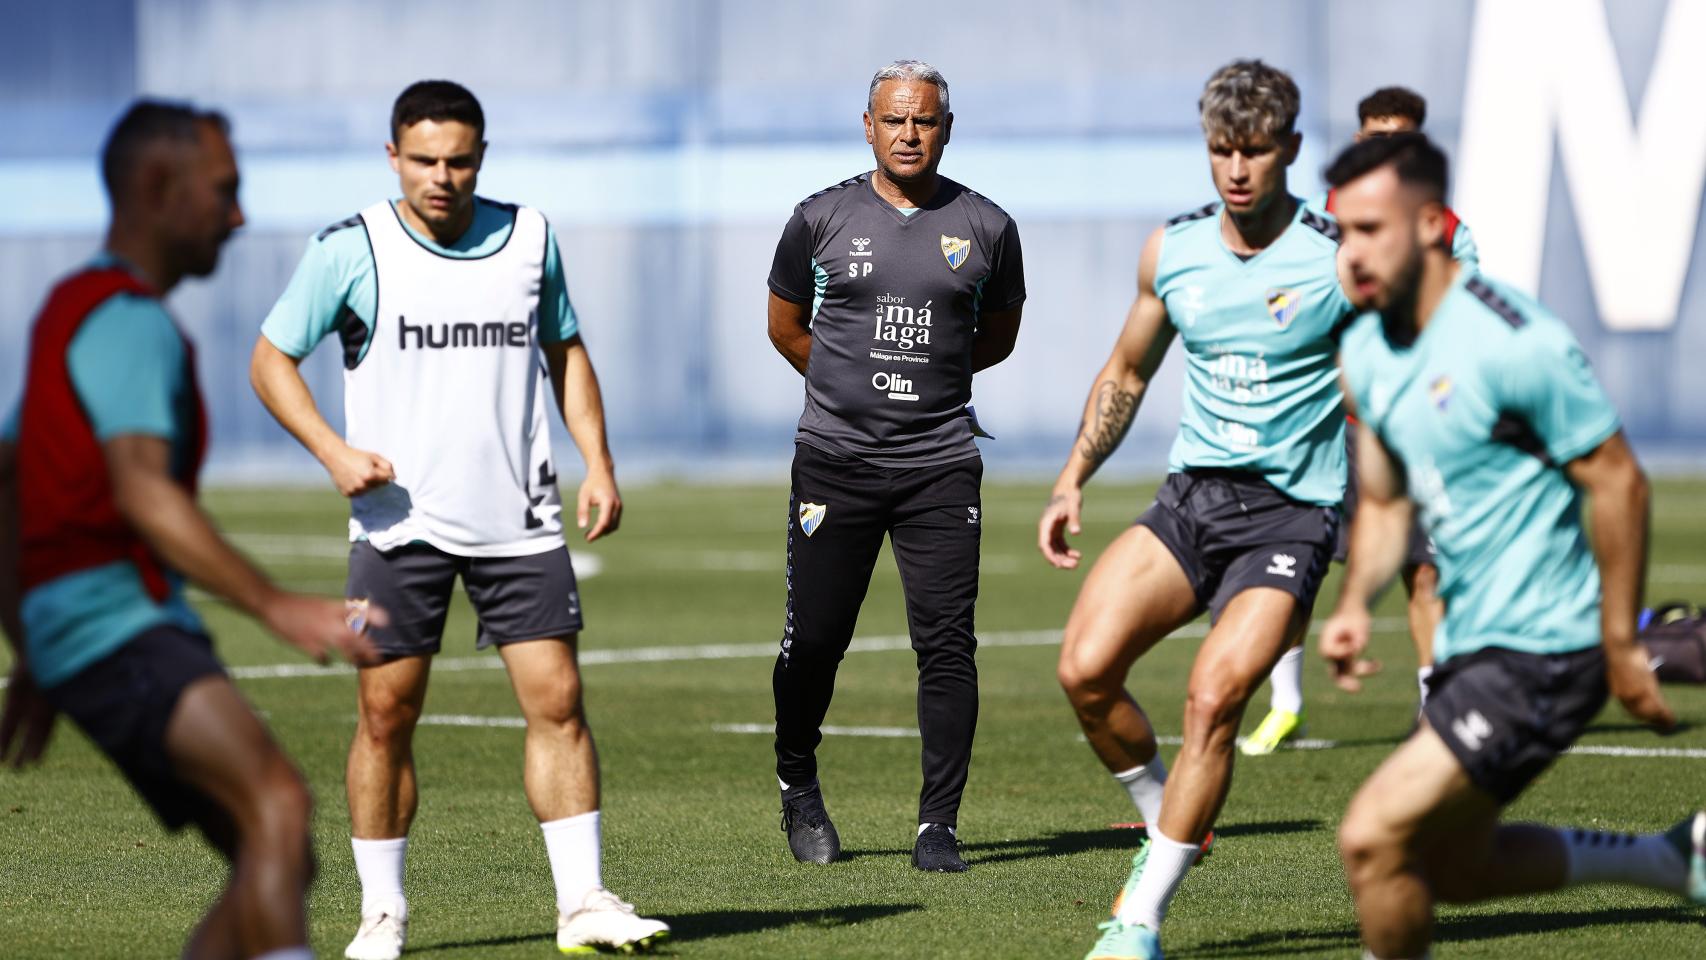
{"points": [[1536, 66]]}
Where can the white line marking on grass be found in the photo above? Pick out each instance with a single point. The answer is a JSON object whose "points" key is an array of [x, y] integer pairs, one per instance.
{"points": [[465, 720], [832, 731], [1679, 752]]}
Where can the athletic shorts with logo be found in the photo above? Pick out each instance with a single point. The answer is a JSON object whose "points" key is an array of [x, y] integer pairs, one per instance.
{"points": [[1420, 551], [1231, 531], [530, 597], [1507, 715], [124, 701]]}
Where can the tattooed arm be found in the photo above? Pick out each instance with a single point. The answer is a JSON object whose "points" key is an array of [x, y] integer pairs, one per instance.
{"points": [[1113, 402]]}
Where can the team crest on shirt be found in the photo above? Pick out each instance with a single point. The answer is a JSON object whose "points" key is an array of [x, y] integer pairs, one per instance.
{"points": [[955, 251], [1283, 305], [1440, 391], [811, 517]]}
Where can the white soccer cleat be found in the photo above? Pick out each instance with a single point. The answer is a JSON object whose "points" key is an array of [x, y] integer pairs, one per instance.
{"points": [[380, 937], [604, 920]]}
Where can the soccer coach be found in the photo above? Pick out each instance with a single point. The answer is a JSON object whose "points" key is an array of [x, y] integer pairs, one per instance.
{"points": [[888, 291]]}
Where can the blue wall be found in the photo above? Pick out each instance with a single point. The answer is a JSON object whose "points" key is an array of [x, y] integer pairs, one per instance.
{"points": [[668, 139]]}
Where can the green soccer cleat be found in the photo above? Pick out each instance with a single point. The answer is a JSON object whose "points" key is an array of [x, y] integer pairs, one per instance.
{"points": [[1120, 941], [1276, 728], [1138, 859]]}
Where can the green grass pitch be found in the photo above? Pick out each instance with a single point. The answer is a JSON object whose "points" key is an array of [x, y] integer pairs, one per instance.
{"points": [[691, 809]]}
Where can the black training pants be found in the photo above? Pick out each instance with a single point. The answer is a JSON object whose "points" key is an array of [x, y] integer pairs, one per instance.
{"points": [[839, 511]]}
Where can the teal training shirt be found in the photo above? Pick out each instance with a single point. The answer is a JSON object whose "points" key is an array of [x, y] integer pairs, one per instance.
{"points": [[1260, 336], [129, 370], [335, 284], [1483, 410]]}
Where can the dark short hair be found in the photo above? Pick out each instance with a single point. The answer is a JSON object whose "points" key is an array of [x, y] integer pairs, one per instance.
{"points": [[145, 122], [439, 100], [1394, 102], [1415, 158]]}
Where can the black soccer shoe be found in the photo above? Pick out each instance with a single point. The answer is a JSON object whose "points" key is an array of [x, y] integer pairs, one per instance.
{"points": [[938, 850], [811, 836]]}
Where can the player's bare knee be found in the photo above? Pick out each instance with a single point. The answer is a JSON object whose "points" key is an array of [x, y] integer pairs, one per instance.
{"points": [[387, 723], [1214, 705]]}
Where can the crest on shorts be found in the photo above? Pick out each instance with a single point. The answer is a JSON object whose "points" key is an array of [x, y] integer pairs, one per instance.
{"points": [[811, 517], [955, 251], [1283, 305]]}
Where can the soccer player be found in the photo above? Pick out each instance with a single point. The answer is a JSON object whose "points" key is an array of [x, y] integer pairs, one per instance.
{"points": [[99, 529], [889, 290], [1385, 111], [1245, 523], [443, 302], [1479, 408]]}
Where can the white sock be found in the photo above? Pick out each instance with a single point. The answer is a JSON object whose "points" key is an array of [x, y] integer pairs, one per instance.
{"points": [[1168, 861], [782, 783], [1422, 675], [921, 827], [1643, 860], [379, 866], [572, 844], [287, 953], [1145, 784], [1287, 678]]}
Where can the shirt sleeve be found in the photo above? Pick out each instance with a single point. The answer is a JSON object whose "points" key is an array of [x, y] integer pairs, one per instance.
{"points": [[314, 299], [1546, 381], [1005, 287], [127, 366], [793, 276], [557, 319]]}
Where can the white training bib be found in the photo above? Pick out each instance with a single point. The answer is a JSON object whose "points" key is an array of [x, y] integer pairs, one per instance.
{"points": [[452, 392]]}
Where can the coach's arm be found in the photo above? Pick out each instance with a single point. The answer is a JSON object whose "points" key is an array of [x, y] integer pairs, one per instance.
{"points": [[278, 383], [1618, 518], [1114, 398], [996, 334], [791, 331], [575, 385]]}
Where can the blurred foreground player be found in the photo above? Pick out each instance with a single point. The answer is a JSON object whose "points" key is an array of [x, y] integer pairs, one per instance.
{"points": [[888, 291], [1244, 525], [1478, 406], [445, 303], [99, 529]]}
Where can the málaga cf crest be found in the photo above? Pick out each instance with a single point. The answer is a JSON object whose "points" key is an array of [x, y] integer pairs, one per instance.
{"points": [[811, 517], [1283, 304], [955, 250]]}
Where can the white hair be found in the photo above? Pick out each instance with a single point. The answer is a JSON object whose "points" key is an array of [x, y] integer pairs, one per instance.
{"points": [[908, 70]]}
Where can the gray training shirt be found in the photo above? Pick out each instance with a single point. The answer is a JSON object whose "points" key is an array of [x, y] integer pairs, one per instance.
{"points": [[895, 303]]}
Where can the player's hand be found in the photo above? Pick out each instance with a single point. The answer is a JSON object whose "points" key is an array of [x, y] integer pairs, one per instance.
{"points": [[1059, 518], [26, 721], [355, 472], [1343, 639], [1350, 680], [321, 627], [598, 493], [1634, 684]]}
